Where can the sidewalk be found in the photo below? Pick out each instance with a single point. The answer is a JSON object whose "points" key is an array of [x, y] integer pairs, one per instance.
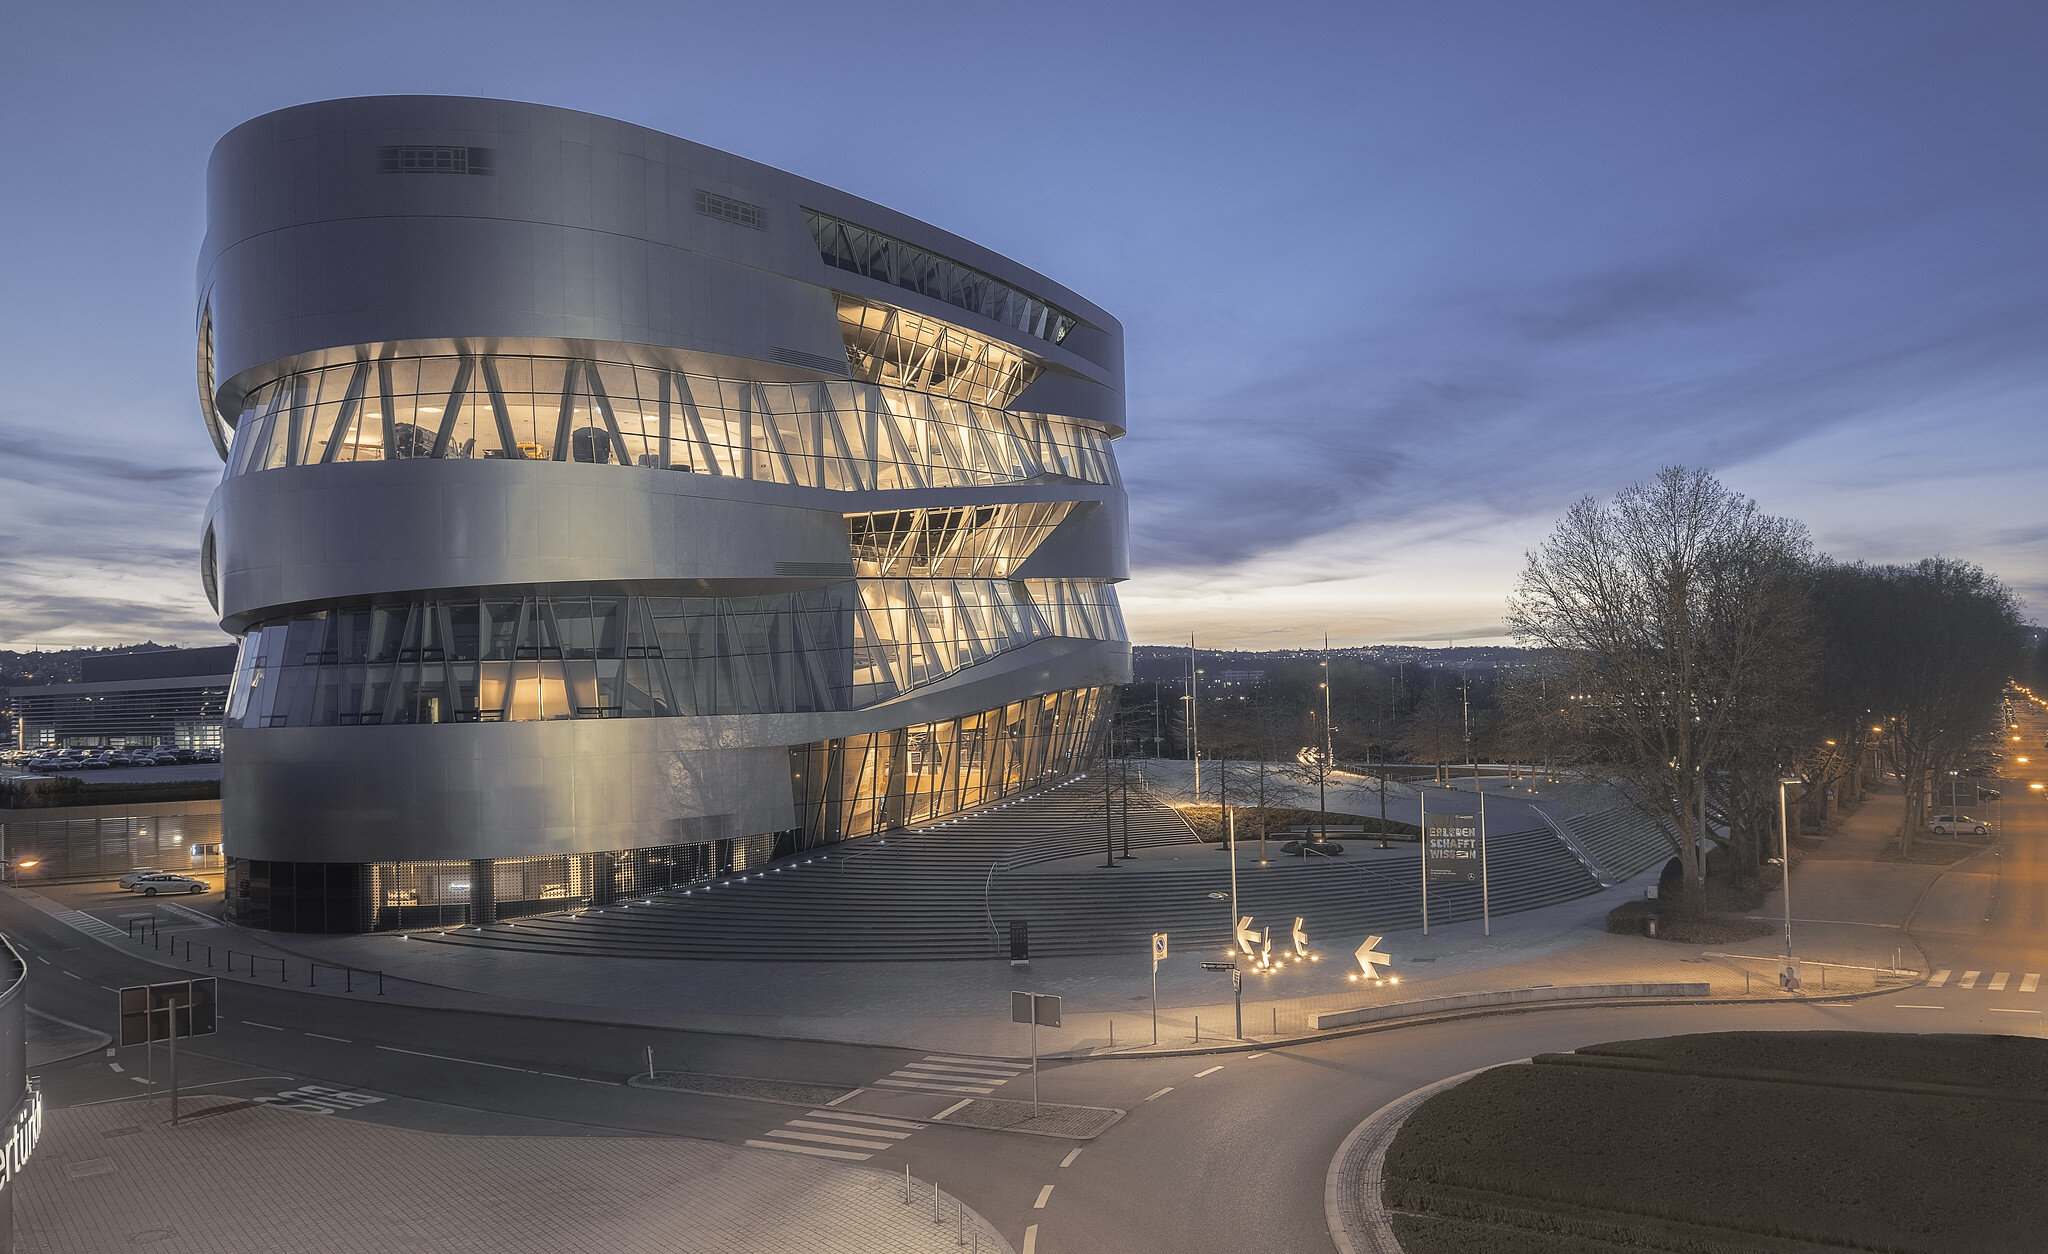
{"points": [[1849, 912], [241, 1179]]}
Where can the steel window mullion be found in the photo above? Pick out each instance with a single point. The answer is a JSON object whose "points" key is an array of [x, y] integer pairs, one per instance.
{"points": [[456, 395], [351, 400], [508, 442]]}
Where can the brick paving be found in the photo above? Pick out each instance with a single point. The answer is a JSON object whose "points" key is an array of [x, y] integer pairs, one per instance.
{"points": [[254, 1180]]}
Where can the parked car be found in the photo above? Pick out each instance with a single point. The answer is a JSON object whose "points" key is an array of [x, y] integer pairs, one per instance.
{"points": [[96, 764], [1943, 824], [150, 883]]}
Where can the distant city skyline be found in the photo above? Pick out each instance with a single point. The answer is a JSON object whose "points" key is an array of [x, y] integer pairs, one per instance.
{"points": [[1399, 284]]}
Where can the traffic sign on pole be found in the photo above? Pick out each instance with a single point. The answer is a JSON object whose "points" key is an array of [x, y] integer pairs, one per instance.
{"points": [[1158, 946]]}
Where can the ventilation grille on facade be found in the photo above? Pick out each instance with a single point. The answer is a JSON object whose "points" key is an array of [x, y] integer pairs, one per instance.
{"points": [[815, 570], [809, 361], [726, 209], [433, 159]]}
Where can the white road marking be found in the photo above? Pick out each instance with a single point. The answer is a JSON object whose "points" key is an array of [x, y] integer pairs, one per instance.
{"points": [[830, 1140], [887, 1123], [265, 1026], [1162, 1092], [936, 1088], [74, 975], [2001, 1010], [1939, 978], [975, 1062], [1068, 1161], [1899, 1005], [43, 960], [1969, 979], [2031, 983], [843, 1096], [817, 1150], [1997, 984], [1031, 1239], [1260, 1054], [117, 1066], [138, 1079], [965, 1101], [323, 1036], [1210, 1071], [966, 1073], [820, 1126], [1044, 1195], [446, 1058]]}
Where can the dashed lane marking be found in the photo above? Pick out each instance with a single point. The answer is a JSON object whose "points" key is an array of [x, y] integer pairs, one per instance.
{"points": [[1031, 1239], [1044, 1195], [2007, 1010], [1210, 1071], [323, 1036], [1900, 1005], [43, 960], [1260, 1054], [1162, 1092], [74, 975], [816, 1151], [1068, 1161], [117, 1066], [265, 1026]]}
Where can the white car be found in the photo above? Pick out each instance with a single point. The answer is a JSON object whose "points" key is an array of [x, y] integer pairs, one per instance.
{"points": [[150, 883], [1943, 824]]}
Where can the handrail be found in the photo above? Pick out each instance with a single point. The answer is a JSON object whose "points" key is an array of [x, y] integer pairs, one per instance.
{"points": [[1571, 842]]}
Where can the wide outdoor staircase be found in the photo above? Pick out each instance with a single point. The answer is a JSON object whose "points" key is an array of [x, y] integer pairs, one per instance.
{"points": [[950, 891], [1621, 838]]}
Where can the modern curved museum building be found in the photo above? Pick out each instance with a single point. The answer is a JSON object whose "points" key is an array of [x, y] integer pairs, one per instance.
{"points": [[603, 512]]}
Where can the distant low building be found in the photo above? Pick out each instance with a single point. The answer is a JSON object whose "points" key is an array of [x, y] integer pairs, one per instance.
{"points": [[174, 697]]}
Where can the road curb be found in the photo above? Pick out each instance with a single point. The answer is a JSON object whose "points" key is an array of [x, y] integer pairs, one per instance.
{"points": [[1358, 1221]]}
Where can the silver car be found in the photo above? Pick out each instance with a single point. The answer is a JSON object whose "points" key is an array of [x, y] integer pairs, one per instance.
{"points": [[150, 883], [1943, 824]]}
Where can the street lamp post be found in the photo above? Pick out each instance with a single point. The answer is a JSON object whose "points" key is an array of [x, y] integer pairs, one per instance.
{"points": [[1790, 977]]}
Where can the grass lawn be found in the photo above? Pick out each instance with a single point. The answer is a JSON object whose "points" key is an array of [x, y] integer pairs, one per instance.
{"points": [[1542, 1158]]}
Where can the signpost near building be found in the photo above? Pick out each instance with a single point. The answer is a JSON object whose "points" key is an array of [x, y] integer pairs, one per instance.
{"points": [[1236, 989], [164, 1012], [1034, 1009], [1453, 852], [1158, 956]]}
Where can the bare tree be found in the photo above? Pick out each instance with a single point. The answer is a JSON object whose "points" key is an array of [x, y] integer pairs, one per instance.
{"points": [[1672, 613]]}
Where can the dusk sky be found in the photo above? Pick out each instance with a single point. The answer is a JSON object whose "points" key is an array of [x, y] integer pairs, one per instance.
{"points": [[1398, 281]]}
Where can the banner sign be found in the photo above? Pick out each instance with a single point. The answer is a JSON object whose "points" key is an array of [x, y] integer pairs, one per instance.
{"points": [[158, 1012], [1450, 849], [22, 1133]]}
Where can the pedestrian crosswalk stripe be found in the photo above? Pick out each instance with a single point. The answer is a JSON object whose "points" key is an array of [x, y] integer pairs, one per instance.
{"points": [[1939, 978], [936, 1071], [2032, 982], [847, 1114], [817, 1150], [840, 1127], [941, 1088], [1969, 979], [822, 1139], [91, 926], [976, 1062], [1997, 984]]}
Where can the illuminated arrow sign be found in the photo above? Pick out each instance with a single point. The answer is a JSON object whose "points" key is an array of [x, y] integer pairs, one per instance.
{"points": [[1300, 938], [1369, 956], [1246, 937]]}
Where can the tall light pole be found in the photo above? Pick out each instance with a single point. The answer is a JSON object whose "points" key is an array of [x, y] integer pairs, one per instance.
{"points": [[1790, 978]]}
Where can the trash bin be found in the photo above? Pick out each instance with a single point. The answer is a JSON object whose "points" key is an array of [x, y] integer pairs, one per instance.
{"points": [[1650, 926]]}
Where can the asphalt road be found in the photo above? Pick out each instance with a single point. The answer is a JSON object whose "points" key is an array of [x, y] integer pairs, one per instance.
{"points": [[1225, 1151]]}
